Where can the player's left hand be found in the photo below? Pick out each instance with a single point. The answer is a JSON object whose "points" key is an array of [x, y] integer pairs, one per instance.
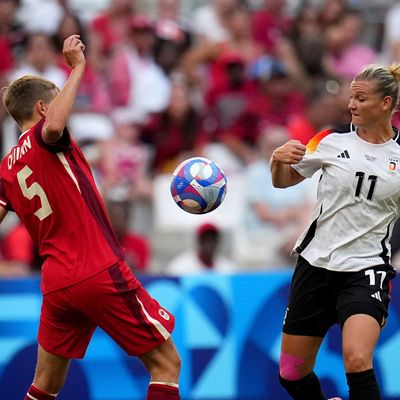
{"points": [[73, 51]]}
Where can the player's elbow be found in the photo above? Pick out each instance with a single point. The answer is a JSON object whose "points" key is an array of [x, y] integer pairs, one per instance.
{"points": [[280, 184], [279, 180]]}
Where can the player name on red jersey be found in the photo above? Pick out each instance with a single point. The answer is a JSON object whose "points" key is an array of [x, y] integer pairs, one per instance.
{"points": [[18, 152]]}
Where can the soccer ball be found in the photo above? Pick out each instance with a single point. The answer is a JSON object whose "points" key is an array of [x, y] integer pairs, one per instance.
{"points": [[198, 185]]}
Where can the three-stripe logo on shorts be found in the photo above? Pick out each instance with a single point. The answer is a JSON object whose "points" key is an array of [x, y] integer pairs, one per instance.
{"points": [[377, 296]]}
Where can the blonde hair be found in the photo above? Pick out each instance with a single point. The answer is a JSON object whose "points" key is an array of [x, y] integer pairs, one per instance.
{"points": [[387, 79], [21, 95]]}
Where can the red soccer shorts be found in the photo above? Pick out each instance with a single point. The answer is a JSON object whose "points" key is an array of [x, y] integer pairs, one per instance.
{"points": [[115, 301]]}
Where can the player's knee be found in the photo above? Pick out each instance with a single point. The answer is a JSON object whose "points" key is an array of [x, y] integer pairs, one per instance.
{"points": [[356, 360], [291, 368]]}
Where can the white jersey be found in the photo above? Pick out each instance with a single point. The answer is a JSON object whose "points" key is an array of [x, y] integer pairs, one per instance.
{"points": [[358, 200]]}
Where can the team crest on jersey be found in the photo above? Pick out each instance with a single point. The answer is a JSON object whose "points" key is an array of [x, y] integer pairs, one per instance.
{"points": [[392, 167], [163, 314]]}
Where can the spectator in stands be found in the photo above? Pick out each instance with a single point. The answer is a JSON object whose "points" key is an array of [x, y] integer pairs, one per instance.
{"points": [[204, 257], [230, 104], [139, 87], [273, 219], [331, 11], [41, 60], [11, 36], [278, 98], [110, 30], [346, 55], [172, 41], [239, 26], [136, 246], [177, 132], [211, 55], [124, 163], [302, 51], [270, 23], [208, 21]]}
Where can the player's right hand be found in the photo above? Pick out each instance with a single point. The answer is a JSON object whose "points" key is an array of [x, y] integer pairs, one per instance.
{"points": [[291, 152], [73, 51]]}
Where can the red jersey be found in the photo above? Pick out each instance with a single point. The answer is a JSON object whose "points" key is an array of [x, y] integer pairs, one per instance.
{"points": [[52, 190]]}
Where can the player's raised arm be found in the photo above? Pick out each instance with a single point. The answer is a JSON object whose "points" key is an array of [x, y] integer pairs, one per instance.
{"points": [[283, 175], [60, 108]]}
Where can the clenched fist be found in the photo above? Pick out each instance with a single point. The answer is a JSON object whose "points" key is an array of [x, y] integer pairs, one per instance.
{"points": [[73, 51], [291, 152]]}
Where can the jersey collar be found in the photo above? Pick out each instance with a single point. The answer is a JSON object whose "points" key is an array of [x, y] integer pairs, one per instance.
{"points": [[22, 134]]}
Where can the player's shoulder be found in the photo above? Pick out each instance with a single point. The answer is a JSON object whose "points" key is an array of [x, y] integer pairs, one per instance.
{"points": [[338, 130], [343, 129], [334, 131], [328, 135]]}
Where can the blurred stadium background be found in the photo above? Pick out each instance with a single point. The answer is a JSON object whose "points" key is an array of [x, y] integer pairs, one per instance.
{"points": [[167, 80]]}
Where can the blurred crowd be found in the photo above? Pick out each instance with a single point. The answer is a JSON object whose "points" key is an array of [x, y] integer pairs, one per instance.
{"points": [[228, 79]]}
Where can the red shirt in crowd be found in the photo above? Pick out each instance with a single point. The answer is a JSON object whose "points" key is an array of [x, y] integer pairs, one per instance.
{"points": [[269, 28]]}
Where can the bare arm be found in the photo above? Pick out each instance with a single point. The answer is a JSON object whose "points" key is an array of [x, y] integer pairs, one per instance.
{"points": [[283, 175], [61, 107]]}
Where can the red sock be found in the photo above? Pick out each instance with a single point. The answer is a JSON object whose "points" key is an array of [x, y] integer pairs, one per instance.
{"points": [[159, 391], [36, 394]]}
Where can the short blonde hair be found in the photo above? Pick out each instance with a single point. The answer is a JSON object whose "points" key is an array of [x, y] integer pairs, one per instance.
{"points": [[387, 80], [21, 95]]}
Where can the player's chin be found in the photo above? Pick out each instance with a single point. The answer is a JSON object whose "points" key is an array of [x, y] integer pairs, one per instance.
{"points": [[356, 119]]}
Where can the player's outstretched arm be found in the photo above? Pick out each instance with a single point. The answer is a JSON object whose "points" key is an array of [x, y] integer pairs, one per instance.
{"points": [[3, 213], [283, 175], [60, 108]]}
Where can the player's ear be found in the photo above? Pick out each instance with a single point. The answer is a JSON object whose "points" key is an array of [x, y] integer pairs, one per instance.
{"points": [[41, 107], [387, 103]]}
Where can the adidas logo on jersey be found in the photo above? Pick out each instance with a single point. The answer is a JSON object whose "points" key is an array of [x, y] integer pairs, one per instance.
{"points": [[344, 154], [377, 296]]}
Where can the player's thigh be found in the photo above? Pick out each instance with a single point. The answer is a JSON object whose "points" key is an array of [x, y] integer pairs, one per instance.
{"points": [[163, 362], [299, 352], [124, 309], [311, 307], [360, 335], [64, 330], [51, 371]]}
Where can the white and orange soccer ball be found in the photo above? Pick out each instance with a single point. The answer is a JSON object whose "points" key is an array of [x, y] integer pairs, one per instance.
{"points": [[198, 185]]}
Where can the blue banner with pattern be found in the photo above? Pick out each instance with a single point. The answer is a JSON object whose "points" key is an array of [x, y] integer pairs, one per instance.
{"points": [[227, 333]]}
